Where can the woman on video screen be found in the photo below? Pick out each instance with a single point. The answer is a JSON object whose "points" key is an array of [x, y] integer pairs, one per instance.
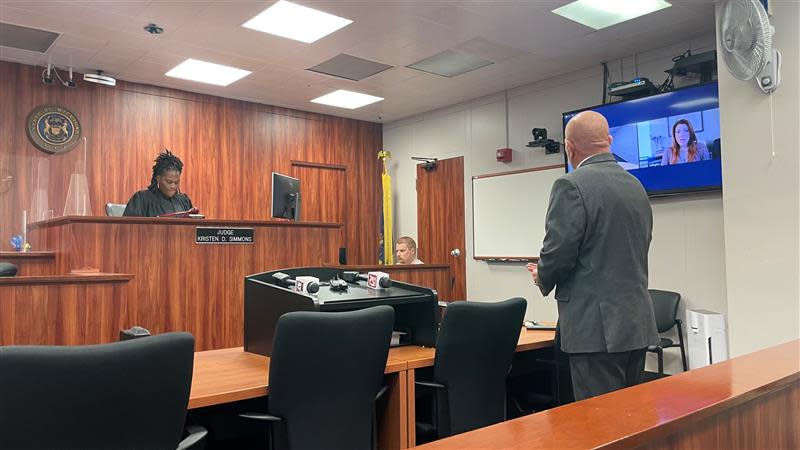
{"points": [[685, 146]]}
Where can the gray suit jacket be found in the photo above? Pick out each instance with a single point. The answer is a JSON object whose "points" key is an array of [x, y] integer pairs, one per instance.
{"points": [[597, 235]]}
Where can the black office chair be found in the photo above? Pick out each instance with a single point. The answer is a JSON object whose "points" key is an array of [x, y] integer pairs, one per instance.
{"points": [[7, 270], [325, 374], [474, 349], [123, 395], [665, 307]]}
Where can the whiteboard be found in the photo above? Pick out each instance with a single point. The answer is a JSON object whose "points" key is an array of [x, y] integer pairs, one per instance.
{"points": [[508, 213]]}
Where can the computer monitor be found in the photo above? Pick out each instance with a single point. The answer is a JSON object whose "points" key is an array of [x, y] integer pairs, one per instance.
{"points": [[285, 197]]}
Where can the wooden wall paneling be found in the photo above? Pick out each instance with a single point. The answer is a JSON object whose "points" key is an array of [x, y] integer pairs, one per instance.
{"points": [[62, 313], [31, 319], [12, 183], [229, 148], [31, 263], [323, 193], [438, 279], [364, 197]]}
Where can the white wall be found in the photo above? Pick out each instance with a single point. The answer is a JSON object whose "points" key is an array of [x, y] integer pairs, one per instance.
{"points": [[762, 196], [688, 230]]}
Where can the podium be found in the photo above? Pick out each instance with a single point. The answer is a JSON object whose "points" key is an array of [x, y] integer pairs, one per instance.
{"points": [[415, 307]]}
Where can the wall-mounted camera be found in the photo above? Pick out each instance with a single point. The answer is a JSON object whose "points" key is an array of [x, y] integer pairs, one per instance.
{"points": [[71, 82], [540, 140], [47, 75]]}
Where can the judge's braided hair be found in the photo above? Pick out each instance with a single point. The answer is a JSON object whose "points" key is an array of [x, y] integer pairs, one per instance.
{"points": [[164, 162]]}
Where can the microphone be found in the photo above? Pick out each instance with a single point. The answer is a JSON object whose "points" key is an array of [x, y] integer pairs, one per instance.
{"points": [[306, 285], [375, 280]]}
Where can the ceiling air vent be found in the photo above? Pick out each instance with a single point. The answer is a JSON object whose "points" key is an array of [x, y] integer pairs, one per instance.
{"points": [[25, 38], [349, 67]]}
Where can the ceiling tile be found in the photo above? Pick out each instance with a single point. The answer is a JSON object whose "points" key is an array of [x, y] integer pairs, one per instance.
{"points": [[123, 7], [82, 42], [230, 13], [173, 12], [110, 63], [66, 56]]}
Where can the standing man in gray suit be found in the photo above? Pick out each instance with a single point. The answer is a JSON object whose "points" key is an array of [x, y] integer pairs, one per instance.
{"points": [[597, 236]]}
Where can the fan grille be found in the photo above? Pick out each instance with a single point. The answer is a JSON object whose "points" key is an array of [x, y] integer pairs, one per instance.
{"points": [[746, 37]]}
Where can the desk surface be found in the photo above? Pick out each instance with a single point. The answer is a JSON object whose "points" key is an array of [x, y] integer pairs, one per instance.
{"points": [[647, 412], [231, 374]]}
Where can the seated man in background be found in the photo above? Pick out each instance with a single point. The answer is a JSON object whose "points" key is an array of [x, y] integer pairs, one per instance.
{"points": [[406, 251], [163, 196]]}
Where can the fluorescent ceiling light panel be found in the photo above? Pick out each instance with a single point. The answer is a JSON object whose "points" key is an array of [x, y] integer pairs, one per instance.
{"points": [[599, 14], [346, 99], [296, 22], [450, 63], [206, 72]]}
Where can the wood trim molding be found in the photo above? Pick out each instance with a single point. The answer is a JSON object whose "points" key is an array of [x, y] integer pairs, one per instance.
{"points": [[27, 255], [393, 267], [67, 279], [317, 165], [507, 258], [173, 221], [535, 169]]}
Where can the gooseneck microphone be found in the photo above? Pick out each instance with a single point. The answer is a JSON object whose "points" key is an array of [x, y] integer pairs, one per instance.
{"points": [[374, 279], [309, 286]]}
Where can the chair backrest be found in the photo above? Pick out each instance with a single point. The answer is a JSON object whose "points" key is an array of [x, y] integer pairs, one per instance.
{"points": [[325, 370], [129, 394], [476, 344], [114, 209], [665, 307], [7, 269]]}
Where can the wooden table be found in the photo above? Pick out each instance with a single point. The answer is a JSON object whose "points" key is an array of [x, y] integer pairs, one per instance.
{"points": [[749, 402], [229, 375]]}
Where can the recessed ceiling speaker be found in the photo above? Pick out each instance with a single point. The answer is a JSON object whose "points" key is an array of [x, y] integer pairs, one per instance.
{"points": [[99, 78]]}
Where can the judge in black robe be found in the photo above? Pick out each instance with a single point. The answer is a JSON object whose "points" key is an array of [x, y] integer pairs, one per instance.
{"points": [[163, 196]]}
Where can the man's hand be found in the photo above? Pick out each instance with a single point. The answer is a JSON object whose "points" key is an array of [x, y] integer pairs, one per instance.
{"points": [[532, 268]]}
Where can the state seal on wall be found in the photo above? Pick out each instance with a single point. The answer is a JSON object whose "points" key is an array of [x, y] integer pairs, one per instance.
{"points": [[53, 129]]}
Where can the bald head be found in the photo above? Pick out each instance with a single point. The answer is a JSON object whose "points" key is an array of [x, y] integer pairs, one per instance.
{"points": [[586, 135]]}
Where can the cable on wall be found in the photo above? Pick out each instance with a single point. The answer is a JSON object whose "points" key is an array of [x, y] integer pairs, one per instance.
{"points": [[505, 92]]}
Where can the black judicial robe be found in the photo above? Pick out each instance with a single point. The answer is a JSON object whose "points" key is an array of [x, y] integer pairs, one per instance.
{"points": [[152, 203]]}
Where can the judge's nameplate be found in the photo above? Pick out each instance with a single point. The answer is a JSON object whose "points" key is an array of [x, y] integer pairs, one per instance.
{"points": [[216, 235]]}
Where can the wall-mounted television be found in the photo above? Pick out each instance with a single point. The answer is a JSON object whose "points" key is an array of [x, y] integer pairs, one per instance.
{"points": [[669, 141]]}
